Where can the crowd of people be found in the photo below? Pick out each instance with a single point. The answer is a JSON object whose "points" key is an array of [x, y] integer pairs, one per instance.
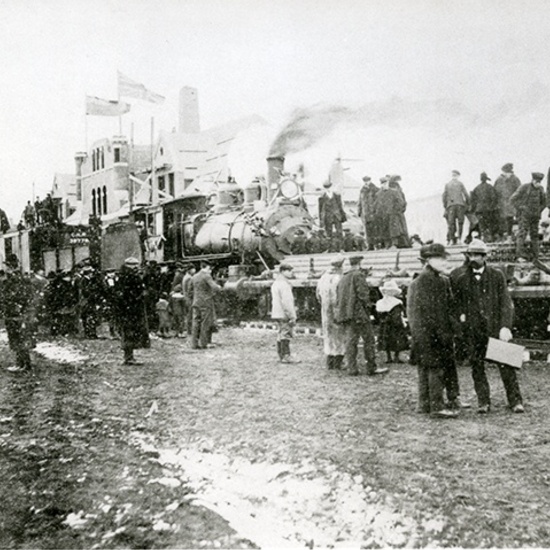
{"points": [[492, 210], [445, 310]]}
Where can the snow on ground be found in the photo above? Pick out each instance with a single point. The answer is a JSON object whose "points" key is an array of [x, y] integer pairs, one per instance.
{"points": [[289, 506], [64, 353], [3, 337]]}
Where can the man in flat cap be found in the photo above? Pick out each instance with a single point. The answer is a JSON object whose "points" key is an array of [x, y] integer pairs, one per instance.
{"points": [[483, 203], [529, 200], [455, 203], [429, 311], [365, 210], [129, 308], [204, 290], [283, 311], [353, 312], [505, 186], [332, 215]]}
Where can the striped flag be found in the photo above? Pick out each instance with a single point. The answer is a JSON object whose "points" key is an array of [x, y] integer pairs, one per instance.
{"points": [[105, 107], [130, 88]]}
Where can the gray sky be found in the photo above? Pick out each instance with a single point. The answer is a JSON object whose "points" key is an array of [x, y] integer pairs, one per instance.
{"points": [[461, 84]]}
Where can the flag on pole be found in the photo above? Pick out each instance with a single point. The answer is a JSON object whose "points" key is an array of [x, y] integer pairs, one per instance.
{"points": [[130, 88], [105, 107]]}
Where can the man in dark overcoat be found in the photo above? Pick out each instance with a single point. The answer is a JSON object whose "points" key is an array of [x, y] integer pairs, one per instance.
{"points": [[388, 209], [484, 309], [129, 296], [429, 311], [353, 311], [204, 290], [16, 295], [365, 210], [484, 204], [529, 201], [332, 215]]}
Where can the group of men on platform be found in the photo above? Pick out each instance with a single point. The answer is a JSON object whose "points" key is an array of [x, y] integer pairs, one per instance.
{"points": [[382, 211], [493, 209]]}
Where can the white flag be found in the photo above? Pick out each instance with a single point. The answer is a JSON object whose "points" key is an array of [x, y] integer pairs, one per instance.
{"points": [[105, 107], [130, 88]]}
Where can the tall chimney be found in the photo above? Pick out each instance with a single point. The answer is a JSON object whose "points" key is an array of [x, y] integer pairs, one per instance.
{"points": [[275, 166], [189, 111]]}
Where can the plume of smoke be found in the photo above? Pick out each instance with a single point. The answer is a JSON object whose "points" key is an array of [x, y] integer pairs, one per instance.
{"points": [[309, 125]]}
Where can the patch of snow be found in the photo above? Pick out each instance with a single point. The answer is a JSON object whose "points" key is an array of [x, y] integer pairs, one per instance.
{"points": [[289, 506], [3, 336], [62, 354]]}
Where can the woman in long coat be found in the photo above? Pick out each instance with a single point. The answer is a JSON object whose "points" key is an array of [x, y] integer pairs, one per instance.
{"points": [[333, 333]]}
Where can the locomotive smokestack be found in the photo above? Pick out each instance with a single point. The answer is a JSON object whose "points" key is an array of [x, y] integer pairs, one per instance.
{"points": [[275, 167]]}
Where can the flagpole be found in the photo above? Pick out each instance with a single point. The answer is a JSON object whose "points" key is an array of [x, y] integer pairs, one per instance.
{"points": [[152, 158], [119, 116]]}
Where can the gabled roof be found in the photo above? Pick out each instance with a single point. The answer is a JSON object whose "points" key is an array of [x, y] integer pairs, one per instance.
{"points": [[140, 158], [63, 185]]}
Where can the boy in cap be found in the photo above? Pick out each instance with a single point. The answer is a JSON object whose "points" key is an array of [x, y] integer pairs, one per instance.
{"points": [[505, 186], [484, 309], [429, 311], [529, 201], [353, 312], [283, 311]]}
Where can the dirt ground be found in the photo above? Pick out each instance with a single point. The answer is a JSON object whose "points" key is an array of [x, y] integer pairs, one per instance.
{"points": [[226, 447]]}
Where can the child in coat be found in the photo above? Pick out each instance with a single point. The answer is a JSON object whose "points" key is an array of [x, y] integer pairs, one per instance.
{"points": [[392, 335], [163, 312]]}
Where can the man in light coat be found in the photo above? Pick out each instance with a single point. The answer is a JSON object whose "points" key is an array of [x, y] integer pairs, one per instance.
{"points": [[283, 311], [333, 333], [505, 186], [204, 289]]}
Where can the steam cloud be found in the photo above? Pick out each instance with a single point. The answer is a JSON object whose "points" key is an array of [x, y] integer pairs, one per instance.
{"points": [[309, 125]]}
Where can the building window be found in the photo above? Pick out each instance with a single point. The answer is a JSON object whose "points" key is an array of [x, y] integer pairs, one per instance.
{"points": [[98, 201], [117, 154], [187, 183], [161, 151], [102, 158], [93, 161], [171, 188], [94, 212], [104, 199], [162, 185]]}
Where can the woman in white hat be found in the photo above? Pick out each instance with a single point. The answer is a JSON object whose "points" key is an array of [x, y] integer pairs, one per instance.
{"points": [[392, 335]]}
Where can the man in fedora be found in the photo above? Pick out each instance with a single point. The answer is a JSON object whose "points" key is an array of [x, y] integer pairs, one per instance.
{"points": [[484, 309], [353, 312], [429, 311], [483, 203], [529, 201], [505, 186]]}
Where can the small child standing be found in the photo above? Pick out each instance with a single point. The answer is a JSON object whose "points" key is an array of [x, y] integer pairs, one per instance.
{"points": [[392, 334], [163, 311]]}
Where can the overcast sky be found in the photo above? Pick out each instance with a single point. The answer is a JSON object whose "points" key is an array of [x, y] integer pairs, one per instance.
{"points": [[462, 84]]}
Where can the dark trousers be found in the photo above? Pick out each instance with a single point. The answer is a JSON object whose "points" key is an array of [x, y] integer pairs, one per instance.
{"points": [[179, 315], [481, 384], [455, 216], [528, 225], [430, 388], [19, 342], [354, 332], [487, 225], [203, 319]]}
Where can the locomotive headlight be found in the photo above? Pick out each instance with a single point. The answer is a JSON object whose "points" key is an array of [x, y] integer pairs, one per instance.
{"points": [[289, 189]]}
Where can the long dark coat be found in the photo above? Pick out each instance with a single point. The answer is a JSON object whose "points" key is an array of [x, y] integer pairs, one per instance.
{"points": [[129, 297], [389, 206], [429, 311], [365, 205], [353, 303], [486, 304], [505, 188], [483, 198], [331, 209]]}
